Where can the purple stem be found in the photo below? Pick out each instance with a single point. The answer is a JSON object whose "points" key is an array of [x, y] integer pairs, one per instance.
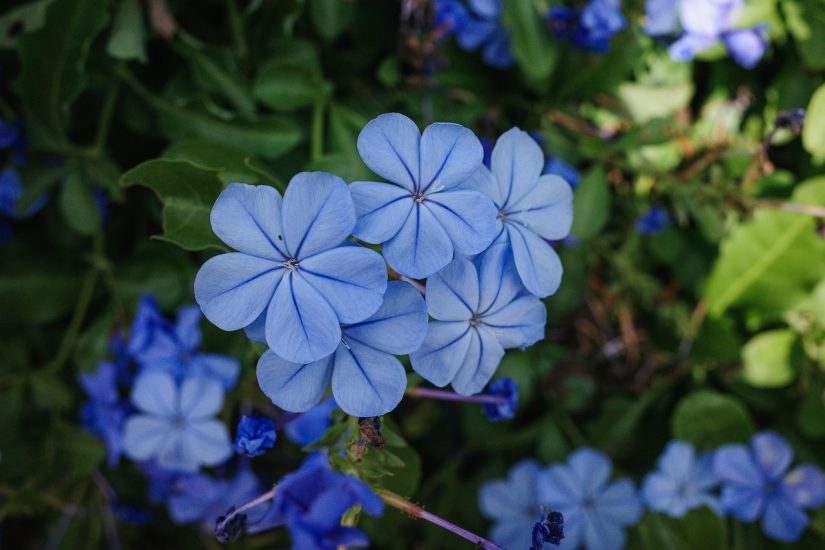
{"points": [[450, 396]]}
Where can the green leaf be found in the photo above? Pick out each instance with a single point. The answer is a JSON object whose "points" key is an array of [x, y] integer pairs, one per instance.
{"points": [[216, 74], [708, 419], [767, 263], [157, 269], [187, 193], [591, 204], [231, 165], [331, 17], [806, 21], [81, 451], [813, 133], [53, 60], [78, 205], [810, 416], [20, 21], [128, 38], [49, 393], [700, 528], [535, 54], [768, 359], [292, 79], [646, 101]]}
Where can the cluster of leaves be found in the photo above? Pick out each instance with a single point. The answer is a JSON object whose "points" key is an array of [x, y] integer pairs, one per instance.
{"points": [[706, 331]]}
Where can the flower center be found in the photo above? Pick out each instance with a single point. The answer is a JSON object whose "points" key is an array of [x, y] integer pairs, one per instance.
{"points": [[418, 196], [475, 320], [291, 264], [501, 215]]}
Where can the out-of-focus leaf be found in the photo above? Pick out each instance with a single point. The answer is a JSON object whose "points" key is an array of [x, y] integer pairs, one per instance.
{"points": [[78, 204], [21, 20], [231, 165], [49, 392], [292, 79], [535, 54], [81, 452], [128, 38], [810, 416], [768, 359], [700, 528], [156, 269], [214, 73], [646, 102], [591, 204], [806, 21], [708, 419], [813, 133], [331, 17]]}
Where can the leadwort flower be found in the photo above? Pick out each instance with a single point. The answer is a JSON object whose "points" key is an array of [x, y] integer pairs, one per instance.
{"points": [[681, 482], [514, 504], [202, 499], [508, 389], [105, 413], [309, 426], [480, 26], [294, 272], [255, 434], [591, 27]]}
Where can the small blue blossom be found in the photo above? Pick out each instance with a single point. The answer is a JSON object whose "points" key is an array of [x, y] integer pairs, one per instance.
{"points": [[756, 484], [595, 510], [421, 216], [508, 389], [174, 425], [591, 27], [652, 221], [147, 324], [513, 504], [255, 434], [531, 208], [202, 499], [309, 426], [295, 272], [549, 530], [162, 481], [681, 482], [557, 167], [484, 29], [105, 413], [367, 379], [479, 309], [13, 138]]}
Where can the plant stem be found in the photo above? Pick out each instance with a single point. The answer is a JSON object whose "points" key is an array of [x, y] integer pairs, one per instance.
{"points": [[417, 512], [450, 396], [260, 499], [809, 209], [105, 119], [70, 336]]}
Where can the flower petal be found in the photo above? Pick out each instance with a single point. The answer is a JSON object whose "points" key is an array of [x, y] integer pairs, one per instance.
{"points": [[389, 146], [248, 218], [200, 397], [546, 209], [233, 289], [515, 532], [380, 208], [592, 469], [660, 493], [143, 436], [516, 163], [301, 326], [537, 263], [744, 503], [176, 454], [221, 367], [518, 324], [318, 213], [352, 279], [805, 484], [483, 181], [468, 217], [442, 351], [450, 153], [734, 464], [365, 381], [511, 497], [619, 503], [772, 453], [421, 247], [601, 533], [560, 488], [483, 357], [207, 441], [156, 392], [498, 279], [292, 386], [783, 521], [399, 325], [188, 327], [452, 293]]}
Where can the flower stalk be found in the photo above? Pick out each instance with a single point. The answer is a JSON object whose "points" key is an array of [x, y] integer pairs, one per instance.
{"points": [[427, 393]]}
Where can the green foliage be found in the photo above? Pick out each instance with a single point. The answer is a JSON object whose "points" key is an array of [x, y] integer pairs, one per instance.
{"points": [[534, 52], [813, 135], [768, 358], [700, 528], [709, 419]]}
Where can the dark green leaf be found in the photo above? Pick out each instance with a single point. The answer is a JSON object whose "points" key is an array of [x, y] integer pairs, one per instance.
{"points": [[591, 204], [535, 53], [708, 419], [78, 205], [331, 17], [21, 20]]}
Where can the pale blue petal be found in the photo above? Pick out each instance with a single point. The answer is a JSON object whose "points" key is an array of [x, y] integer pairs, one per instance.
{"points": [[176, 454], [592, 469], [318, 213], [248, 218], [511, 497], [452, 293], [450, 153], [677, 460], [483, 357], [689, 45], [708, 17], [660, 493], [805, 484], [292, 386], [380, 208], [746, 46], [233, 289], [702, 475], [518, 324], [489, 9], [200, 397], [601, 533], [469, 218], [662, 17], [367, 382], [744, 503], [772, 453], [537, 263], [188, 327], [442, 351], [421, 247], [399, 325], [156, 392], [783, 521], [483, 181], [389, 146], [560, 488], [207, 441], [515, 532], [734, 464], [546, 209], [143, 436], [352, 279], [499, 282], [619, 503], [475, 33], [574, 524], [221, 367], [516, 162], [301, 326]]}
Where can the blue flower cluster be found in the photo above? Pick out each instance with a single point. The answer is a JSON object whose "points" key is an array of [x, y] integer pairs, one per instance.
{"points": [[322, 303], [476, 25], [705, 23], [590, 27], [756, 483]]}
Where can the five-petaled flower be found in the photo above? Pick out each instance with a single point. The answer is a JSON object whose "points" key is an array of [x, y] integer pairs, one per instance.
{"points": [[514, 504], [294, 271], [681, 482]]}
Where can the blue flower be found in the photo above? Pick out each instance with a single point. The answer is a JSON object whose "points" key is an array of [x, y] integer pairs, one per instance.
{"points": [[421, 217], [549, 530], [591, 27], [202, 499], [104, 414], [11, 189], [531, 208], [13, 138], [147, 324], [508, 389], [595, 511], [652, 221], [756, 483], [174, 425], [254, 436], [309, 426], [367, 378], [311, 502], [681, 482], [557, 167], [294, 271], [513, 504], [483, 28], [479, 309], [451, 16]]}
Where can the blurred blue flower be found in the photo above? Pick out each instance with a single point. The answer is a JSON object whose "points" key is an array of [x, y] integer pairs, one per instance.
{"points": [[508, 389], [652, 221], [549, 530], [421, 216], [590, 27], [595, 510], [531, 208], [11, 189], [681, 482], [309, 426], [147, 324], [174, 425], [513, 504], [255, 434], [202, 499], [756, 483], [483, 28], [311, 502], [367, 378], [557, 167], [13, 138], [479, 309], [105, 413], [451, 16], [295, 273]]}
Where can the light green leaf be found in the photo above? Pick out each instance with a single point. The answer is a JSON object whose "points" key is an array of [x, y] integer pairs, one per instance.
{"points": [[813, 133], [646, 101], [708, 419], [591, 204], [128, 38], [768, 359], [535, 54]]}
